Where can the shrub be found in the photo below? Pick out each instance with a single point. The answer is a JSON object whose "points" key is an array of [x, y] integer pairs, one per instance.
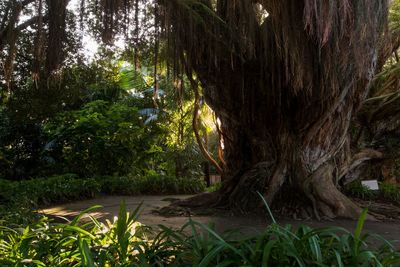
{"points": [[150, 184], [100, 139], [358, 190], [24, 196], [214, 187], [18, 199], [49, 190], [390, 192]]}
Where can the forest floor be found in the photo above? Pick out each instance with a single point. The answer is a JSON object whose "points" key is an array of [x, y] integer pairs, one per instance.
{"points": [[248, 224]]}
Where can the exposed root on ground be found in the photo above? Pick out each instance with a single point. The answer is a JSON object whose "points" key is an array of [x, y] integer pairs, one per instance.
{"points": [[327, 199], [316, 197]]}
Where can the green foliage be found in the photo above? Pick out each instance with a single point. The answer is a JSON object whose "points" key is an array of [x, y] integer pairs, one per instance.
{"points": [[131, 79], [100, 139], [126, 242], [17, 199], [20, 145], [390, 192], [185, 160], [152, 183], [179, 151], [73, 244], [214, 187], [387, 192], [4, 130], [45, 191], [287, 246], [394, 17], [33, 106], [99, 119], [358, 190]]}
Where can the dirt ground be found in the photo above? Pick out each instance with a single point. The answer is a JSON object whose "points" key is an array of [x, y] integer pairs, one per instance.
{"points": [[248, 225]]}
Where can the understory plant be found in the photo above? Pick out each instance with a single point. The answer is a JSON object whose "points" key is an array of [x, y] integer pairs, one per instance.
{"points": [[151, 183], [126, 242], [390, 192], [50, 190], [387, 192], [19, 199], [360, 191]]}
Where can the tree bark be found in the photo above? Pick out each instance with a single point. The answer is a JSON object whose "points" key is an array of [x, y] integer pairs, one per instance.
{"points": [[285, 90]]}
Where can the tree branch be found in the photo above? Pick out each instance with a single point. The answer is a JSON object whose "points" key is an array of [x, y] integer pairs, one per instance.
{"points": [[357, 160], [19, 28], [203, 150], [26, 2]]}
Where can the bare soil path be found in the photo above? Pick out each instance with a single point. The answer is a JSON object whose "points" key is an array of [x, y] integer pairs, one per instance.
{"points": [[248, 225]]}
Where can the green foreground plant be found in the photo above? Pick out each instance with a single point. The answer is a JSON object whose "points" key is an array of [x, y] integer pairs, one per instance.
{"points": [[126, 242]]}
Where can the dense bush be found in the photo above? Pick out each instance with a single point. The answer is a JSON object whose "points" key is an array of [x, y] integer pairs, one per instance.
{"points": [[125, 242], [387, 192], [100, 139], [68, 187], [31, 105], [356, 189], [214, 187], [99, 119], [390, 192], [20, 145], [150, 184], [18, 199], [44, 191]]}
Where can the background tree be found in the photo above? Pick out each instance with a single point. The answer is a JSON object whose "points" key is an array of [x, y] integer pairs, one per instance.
{"points": [[377, 123]]}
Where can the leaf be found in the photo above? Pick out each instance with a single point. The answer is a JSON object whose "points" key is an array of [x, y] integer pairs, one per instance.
{"points": [[360, 224], [211, 255], [267, 206], [339, 259], [86, 254], [79, 230], [267, 252], [77, 218], [28, 261]]}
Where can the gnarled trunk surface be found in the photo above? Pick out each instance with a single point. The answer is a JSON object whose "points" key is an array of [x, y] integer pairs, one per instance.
{"points": [[287, 164], [285, 79]]}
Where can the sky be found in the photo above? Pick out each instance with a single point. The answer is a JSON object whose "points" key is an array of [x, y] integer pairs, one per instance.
{"points": [[90, 45]]}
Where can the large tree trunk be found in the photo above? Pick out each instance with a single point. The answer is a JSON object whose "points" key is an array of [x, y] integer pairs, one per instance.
{"points": [[285, 90], [269, 152]]}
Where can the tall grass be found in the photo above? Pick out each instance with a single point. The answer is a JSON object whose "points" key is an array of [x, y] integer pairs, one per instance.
{"points": [[126, 242]]}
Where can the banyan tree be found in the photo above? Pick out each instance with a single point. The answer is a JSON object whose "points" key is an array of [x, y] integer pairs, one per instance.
{"points": [[285, 78], [54, 22]]}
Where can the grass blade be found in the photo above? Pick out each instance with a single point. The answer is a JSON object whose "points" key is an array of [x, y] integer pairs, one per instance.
{"points": [[267, 206]]}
